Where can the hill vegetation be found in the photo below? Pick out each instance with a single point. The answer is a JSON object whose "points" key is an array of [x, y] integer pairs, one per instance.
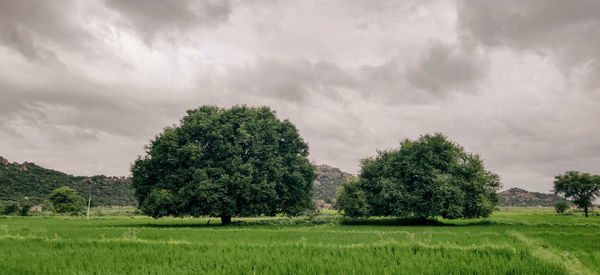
{"points": [[18, 181], [327, 182], [520, 197]]}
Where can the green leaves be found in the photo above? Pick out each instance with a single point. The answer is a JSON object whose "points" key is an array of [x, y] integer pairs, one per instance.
{"points": [[581, 188], [66, 200], [225, 162], [159, 203], [430, 176], [352, 199]]}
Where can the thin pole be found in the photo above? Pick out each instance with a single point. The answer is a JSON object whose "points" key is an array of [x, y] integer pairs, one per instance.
{"points": [[88, 212]]}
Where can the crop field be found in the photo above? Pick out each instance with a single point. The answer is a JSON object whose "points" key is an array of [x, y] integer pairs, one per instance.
{"points": [[510, 242]]}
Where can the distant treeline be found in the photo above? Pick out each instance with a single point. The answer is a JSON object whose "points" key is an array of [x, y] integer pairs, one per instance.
{"points": [[18, 181]]}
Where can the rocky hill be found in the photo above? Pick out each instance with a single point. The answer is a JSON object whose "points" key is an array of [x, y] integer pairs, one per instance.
{"points": [[521, 197], [20, 180], [327, 182]]}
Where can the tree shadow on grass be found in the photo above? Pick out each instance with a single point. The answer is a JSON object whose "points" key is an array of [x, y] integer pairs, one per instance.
{"points": [[176, 224], [235, 223], [306, 221], [408, 221]]}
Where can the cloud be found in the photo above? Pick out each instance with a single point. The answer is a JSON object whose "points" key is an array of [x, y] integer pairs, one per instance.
{"points": [[35, 29], [445, 68], [289, 80], [566, 30], [296, 80], [148, 18], [75, 110]]}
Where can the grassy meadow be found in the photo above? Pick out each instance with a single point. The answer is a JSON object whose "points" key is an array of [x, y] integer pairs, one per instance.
{"points": [[517, 241]]}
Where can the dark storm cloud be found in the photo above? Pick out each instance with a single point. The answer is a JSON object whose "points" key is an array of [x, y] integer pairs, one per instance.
{"points": [[76, 110], [445, 68], [295, 80], [289, 80], [32, 28], [569, 30], [149, 17]]}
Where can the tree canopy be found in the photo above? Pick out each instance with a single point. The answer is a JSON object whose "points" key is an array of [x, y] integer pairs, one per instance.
{"points": [[561, 206], [430, 176], [66, 200], [581, 188], [240, 161]]}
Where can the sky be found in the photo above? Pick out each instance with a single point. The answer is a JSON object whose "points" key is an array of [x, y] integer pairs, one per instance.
{"points": [[85, 84]]}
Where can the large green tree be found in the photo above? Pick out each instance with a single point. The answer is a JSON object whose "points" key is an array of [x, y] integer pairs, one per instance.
{"points": [[430, 176], [66, 200], [240, 161], [581, 188]]}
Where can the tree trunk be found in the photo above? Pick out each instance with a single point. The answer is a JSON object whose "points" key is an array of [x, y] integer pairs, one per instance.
{"points": [[225, 220], [586, 211]]}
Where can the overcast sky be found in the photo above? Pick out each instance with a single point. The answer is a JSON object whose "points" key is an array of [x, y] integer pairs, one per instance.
{"points": [[85, 84]]}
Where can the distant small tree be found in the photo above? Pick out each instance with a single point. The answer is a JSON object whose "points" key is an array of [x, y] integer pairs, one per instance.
{"points": [[580, 188], [24, 211], [562, 206], [66, 200]]}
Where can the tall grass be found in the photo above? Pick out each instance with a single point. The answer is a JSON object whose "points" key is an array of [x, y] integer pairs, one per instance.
{"points": [[517, 242]]}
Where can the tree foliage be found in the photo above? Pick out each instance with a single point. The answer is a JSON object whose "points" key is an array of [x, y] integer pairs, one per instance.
{"points": [[580, 188], [352, 199], [9, 208], [562, 206], [24, 210], [220, 162], [430, 176], [66, 200]]}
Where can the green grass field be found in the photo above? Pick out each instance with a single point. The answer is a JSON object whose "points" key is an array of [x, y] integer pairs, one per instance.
{"points": [[524, 241]]}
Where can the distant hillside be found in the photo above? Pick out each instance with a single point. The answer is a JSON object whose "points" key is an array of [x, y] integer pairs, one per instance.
{"points": [[520, 197], [328, 180], [27, 179]]}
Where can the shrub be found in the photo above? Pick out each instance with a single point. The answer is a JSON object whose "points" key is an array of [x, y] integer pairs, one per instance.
{"points": [[10, 208], [24, 211], [66, 200], [562, 206]]}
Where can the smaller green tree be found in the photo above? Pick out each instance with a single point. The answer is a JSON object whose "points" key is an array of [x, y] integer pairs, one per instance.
{"points": [[580, 188], [24, 211], [352, 199], [562, 206], [427, 177], [66, 200]]}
